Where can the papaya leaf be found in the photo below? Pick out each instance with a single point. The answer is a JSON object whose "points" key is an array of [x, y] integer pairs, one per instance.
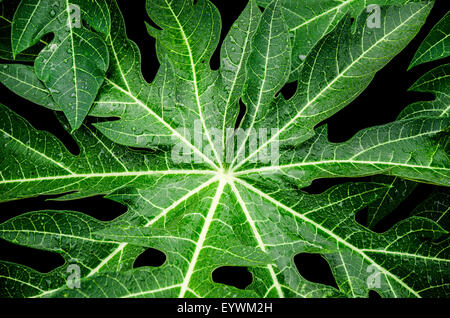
{"points": [[72, 66], [208, 190], [436, 45]]}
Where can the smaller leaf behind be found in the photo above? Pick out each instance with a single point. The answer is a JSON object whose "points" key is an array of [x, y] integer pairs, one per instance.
{"points": [[22, 80], [437, 83], [6, 53], [436, 207], [74, 63], [399, 189], [436, 45]]}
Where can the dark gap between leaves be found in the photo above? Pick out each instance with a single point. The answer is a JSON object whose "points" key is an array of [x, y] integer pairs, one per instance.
{"points": [[374, 295], [235, 276], [135, 17], [289, 90], [214, 62], [150, 151], [321, 185], [315, 268], [227, 21], [403, 211], [40, 260], [242, 111], [361, 216], [97, 207], [150, 257], [35, 114], [95, 120], [148, 20]]}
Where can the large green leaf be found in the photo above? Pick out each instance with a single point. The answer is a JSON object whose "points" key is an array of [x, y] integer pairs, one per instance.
{"points": [[216, 205], [281, 279], [179, 246]]}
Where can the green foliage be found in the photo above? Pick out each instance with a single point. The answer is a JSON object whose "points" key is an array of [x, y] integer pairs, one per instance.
{"points": [[225, 205], [73, 64], [6, 53], [436, 45]]}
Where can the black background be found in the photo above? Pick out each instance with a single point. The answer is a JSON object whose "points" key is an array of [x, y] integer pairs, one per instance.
{"points": [[383, 100]]}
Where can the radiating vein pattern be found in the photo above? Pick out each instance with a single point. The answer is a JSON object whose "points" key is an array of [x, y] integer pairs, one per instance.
{"points": [[193, 179]]}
